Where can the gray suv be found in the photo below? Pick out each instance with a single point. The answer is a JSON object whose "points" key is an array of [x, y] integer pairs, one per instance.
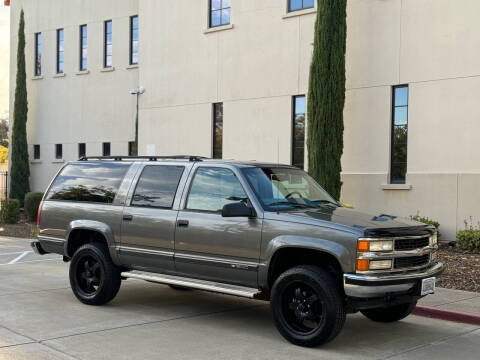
{"points": [[261, 231]]}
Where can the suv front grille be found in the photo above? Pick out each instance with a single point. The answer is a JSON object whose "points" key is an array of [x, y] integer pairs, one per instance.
{"points": [[411, 261], [411, 244]]}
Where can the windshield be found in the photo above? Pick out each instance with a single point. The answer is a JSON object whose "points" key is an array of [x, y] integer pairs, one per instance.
{"points": [[281, 188]]}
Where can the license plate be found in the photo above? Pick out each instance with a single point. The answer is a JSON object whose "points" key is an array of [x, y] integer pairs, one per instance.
{"points": [[428, 286]]}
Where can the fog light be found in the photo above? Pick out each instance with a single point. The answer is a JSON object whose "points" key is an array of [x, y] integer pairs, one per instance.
{"points": [[433, 239], [381, 245], [380, 264]]}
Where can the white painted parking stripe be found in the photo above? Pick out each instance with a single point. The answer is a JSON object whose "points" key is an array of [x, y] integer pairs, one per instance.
{"points": [[25, 253], [33, 261], [12, 253]]}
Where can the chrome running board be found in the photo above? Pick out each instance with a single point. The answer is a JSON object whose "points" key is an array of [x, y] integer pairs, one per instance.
{"points": [[221, 288]]}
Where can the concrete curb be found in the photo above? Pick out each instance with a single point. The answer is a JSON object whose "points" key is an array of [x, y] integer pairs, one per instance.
{"points": [[447, 314]]}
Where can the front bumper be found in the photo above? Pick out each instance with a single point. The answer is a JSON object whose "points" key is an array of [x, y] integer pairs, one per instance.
{"points": [[381, 285]]}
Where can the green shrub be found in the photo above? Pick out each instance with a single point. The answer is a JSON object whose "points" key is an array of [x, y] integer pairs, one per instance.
{"points": [[468, 239], [32, 202], [10, 213], [427, 221]]}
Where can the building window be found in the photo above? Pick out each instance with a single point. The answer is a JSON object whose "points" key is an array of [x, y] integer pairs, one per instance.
{"points": [[295, 5], [60, 51], [38, 54], [36, 152], [298, 132], [219, 12], [82, 150], [134, 40], [107, 61], [58, 151], [132, 151], [398, 165], [83, 47], [106, 149], [217, 130]]}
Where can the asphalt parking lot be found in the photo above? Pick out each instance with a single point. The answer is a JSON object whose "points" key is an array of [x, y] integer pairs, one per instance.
{"points": [[41, 319]]}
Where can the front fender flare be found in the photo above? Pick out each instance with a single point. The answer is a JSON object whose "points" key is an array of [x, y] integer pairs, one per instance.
{"points": [[337, 250]]}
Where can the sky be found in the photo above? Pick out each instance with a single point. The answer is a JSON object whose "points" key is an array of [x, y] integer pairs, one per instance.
{"points": [[4, 56]]}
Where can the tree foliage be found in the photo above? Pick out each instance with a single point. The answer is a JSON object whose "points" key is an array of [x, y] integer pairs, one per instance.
{"points": [[326, 95], [20, 171]]}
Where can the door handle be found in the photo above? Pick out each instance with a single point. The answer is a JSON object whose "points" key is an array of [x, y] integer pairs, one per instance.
{"points": [[182, 223], [127, 217]]}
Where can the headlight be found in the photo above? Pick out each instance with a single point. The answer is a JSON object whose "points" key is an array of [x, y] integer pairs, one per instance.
{"points": [[433, 239], [367, 245], [380, 264]]}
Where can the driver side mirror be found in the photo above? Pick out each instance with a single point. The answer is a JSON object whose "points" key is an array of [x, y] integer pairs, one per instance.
{"points": [[237, 209]]}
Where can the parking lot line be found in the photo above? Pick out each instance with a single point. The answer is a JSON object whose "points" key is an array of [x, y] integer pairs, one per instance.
{"points": [[19, 257]]}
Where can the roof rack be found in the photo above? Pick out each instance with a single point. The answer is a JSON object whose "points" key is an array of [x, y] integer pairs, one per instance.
{"points": [[191, 158]]}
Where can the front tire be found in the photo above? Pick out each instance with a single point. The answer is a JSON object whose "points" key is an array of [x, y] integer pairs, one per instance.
{"points": [[391, 313], [307, 306], [94, 278]]}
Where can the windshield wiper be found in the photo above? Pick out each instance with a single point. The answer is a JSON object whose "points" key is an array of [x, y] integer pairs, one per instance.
{"points": [[326, 202], [290, 203]]}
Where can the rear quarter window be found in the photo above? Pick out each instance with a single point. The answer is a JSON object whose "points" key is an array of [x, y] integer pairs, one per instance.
{"points": [[89, 182]]}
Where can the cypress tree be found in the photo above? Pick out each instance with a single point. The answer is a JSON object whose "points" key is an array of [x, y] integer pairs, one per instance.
{"points": [[326, 95], [20, 171]]}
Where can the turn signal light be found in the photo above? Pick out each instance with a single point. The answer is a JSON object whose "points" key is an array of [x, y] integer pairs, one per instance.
{"points": [[363, 265], [363, 246]]}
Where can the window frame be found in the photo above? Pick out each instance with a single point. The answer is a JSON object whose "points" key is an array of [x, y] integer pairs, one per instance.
{"points": [[137, 181], [57, 148], [62, 62], [35, 148], [293, 140], [38, 54], [392, 135], [289, 8], [131, 62], [214, 128], [210, 11], [106, 44], [83, 46], [192, 179]]}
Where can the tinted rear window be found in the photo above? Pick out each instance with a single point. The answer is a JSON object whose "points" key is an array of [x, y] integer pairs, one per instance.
{"points": [[90, 182]]}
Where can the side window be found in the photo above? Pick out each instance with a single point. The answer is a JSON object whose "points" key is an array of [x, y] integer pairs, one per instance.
{"points": [[212, 188], [157, 186], [89, 182]]}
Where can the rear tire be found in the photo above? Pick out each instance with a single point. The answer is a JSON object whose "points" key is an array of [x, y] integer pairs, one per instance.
{"points": [[307, 306], [94, 278], [391, 313]]}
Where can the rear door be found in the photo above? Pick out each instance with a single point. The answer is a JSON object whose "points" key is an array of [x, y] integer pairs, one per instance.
{"points": [[149, 217]]}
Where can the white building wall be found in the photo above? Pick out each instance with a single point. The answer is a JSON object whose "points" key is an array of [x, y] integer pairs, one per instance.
{"points": [[75, 108]]}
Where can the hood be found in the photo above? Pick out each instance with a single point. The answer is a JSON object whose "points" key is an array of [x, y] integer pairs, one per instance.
{"points": [[372, 224]]}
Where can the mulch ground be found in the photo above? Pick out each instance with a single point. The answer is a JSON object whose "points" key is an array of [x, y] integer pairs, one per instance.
{"points": [[24, 229], [463, 269]]}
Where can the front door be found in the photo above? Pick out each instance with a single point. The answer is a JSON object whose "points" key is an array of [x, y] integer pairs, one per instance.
{"points": [[148, 226], [212, 247]]}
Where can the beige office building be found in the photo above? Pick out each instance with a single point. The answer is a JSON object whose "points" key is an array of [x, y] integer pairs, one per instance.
{"points": [[227, 78]]}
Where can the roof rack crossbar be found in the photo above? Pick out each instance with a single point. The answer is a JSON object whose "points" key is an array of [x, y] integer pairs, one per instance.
{"points": [[191, 158]]}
